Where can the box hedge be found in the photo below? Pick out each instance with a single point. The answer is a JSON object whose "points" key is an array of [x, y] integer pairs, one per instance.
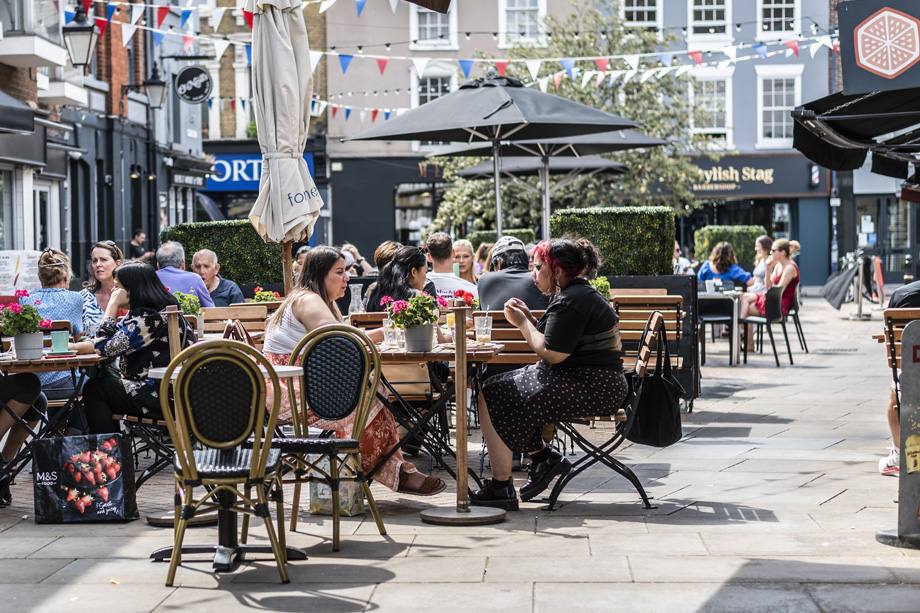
{"points": [[631, 240], [490, 236], [243, 256], [741, 237]]}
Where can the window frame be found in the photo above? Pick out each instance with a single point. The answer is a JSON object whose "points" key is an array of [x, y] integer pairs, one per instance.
{"points": [[503, 40], [716, 40], [434, 69], [716, 74], [659, 17], [777, 71], [761, 35], [451, 43]]}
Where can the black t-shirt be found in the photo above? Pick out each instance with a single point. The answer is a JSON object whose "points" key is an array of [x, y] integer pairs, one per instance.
{"points": [[136, 251], [497, 287], [581, 322], [907, 297]]}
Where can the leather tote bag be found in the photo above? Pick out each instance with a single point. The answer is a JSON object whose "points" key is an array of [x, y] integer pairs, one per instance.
{"points": [[657, 419]]}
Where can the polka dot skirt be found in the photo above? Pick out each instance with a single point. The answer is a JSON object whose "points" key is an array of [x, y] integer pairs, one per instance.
{"points": [[524, 400]]}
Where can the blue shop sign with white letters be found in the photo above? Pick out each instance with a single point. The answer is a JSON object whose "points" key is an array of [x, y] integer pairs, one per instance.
{"points": [[240, 172]]}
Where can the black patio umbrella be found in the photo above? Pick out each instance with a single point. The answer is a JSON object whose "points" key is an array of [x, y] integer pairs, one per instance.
{"points": [[494, 109], [548, 148]]}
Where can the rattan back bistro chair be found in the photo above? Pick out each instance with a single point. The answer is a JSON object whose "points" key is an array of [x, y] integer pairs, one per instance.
{"points": [[220, 404], [341, 372]]}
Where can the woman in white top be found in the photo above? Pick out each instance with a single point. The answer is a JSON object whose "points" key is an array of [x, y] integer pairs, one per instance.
{"points": [[106, 257], [311, 305], [762, 247]]}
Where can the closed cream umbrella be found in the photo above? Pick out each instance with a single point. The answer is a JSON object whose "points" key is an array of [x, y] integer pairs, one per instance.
{"points": [[288, 203]]}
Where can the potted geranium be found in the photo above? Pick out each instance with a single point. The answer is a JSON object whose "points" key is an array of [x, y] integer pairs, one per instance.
{"points": [[467, 298], [25, 325], [415, 316], [265, 295], [191, 308]]}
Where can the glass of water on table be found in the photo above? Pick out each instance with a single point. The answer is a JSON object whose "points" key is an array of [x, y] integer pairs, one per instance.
{"points": [[483, 324]]}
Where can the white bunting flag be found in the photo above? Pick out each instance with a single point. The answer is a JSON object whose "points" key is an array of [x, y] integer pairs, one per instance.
{"points": [[587, 77], [217, 14], [420, 63], [362, 115], [534, 67], [614, 75], [315, 57], [633, 61], [325, 4], [665, 70], [730, 52], [136, 11], [544, 83], [393, 5], [826, 41], [683, 69], [724, 65], [629, 75], [814, 48], [648, 74], [220, 45], [127, 33]]}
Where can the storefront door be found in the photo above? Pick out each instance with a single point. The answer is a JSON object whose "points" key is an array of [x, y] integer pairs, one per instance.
{"points": [[883, 228], [45, 198]]}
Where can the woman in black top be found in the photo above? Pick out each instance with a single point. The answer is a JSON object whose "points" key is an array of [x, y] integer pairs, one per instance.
{"points": [[580, 371], [140, 340]]}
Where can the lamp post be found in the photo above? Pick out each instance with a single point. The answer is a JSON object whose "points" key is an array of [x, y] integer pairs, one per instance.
{"points": [[155, 88], [80, 37]]}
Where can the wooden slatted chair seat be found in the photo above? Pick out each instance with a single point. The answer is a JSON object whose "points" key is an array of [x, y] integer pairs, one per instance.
{"points": [[635, 309], [895, 322]]}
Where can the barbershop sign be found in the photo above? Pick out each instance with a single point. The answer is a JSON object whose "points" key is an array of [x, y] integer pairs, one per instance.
{"points": [[193, 84], [750, 177], [879, 45], [240, 172]]}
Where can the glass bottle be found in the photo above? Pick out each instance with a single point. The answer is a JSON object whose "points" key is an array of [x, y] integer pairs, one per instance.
{"points": [[356, 305]]}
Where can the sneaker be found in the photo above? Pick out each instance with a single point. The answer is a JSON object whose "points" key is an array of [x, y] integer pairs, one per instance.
{"points": [[491, 496], [889, 465]]}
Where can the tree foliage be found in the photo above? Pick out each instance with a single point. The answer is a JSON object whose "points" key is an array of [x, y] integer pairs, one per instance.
{"points": [[655, 176]]}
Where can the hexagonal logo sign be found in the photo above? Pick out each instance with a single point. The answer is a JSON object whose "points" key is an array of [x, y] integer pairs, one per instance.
{"points": [[887, 43]]}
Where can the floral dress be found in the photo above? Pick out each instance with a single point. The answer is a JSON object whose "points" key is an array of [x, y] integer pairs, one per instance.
{"points": [[92, 314]]}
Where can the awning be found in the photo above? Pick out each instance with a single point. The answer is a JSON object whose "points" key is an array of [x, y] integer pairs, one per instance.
{"points": [[838, 131], [15, 116]]}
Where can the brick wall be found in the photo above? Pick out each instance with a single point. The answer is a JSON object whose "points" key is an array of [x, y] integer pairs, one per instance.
{"points": [[112, 60], [836, 84], [19, 83]]}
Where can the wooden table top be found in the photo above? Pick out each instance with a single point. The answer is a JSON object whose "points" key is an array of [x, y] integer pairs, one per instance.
{"points": [[46, 364], [439, 353]]}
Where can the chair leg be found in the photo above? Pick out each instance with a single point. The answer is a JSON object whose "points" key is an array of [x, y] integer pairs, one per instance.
{"points": [[799, 332], [773, 344], [278, 495], [703, 345], [244, 529], [786, 336], [178, 536], [748, 329], [334, 486], [280, 554], [355, 464], [731, 346], [295, 507]]}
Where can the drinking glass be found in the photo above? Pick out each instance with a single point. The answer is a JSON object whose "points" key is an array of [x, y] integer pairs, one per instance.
{"points": [[389, 338], [400, 335], [483, 328], [59, 339], [711, 286]]}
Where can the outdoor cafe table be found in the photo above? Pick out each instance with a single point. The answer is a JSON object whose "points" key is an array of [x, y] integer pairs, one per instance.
{"points": [[736, 336], [229, 550], [49, 428], [461, 354]]}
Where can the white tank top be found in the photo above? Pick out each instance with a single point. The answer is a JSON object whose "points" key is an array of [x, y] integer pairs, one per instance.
{"points": [[284, 338]]}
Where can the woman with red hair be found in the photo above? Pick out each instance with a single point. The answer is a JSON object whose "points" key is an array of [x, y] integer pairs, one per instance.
{"points": [[580, 371]]}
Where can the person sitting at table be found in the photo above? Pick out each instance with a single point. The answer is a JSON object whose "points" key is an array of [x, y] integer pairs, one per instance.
{"points": [[223, 292], [722, 264], [311, 305], [106, 257], [463, 255], [55, 301], [171, 272], [404, 277], [140, 339], [580, 371], [762, 246], [783, 273], [19, 392], [382, 256]]}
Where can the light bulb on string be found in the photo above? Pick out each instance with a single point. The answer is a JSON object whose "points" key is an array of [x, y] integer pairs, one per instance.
{"points": [[467, 35]]}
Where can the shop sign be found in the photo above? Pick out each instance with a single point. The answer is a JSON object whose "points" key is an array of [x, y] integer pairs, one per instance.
{"points": [[184, 179], [240, 172], [879, 45], [740, 177], [193, 84]]}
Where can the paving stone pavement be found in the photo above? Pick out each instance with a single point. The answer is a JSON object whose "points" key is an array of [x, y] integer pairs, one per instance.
{"points": [[771, 502]]}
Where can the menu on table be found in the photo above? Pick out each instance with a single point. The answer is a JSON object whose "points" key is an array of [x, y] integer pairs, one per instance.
{"points": [[18, 270]]}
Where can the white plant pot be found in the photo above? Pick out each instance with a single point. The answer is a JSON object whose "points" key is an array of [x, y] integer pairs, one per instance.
{"points": [[29, 345], [419, 338]]}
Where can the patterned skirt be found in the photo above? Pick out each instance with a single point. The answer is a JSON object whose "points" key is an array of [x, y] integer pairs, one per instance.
{"points": [[379, 434], [522, 401]]}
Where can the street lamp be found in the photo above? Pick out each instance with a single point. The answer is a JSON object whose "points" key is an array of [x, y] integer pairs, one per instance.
{"points": [[155, 88], [81, 37]]}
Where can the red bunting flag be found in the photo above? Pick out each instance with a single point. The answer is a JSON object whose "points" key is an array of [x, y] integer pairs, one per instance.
{"points": [[382, 63], [248, 17], [335, 110], [557, 79], [233, 104], [101, 24], [162, 12], [697, 56], [794, 45], [501, 66], [374, 115], [187, 42], [87, 4], [602, 63]]}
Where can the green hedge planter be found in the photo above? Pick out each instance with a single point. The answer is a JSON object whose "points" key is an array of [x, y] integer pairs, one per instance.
{"points": [[243, 256], [631, 240], [490, 236], [741, 237]]}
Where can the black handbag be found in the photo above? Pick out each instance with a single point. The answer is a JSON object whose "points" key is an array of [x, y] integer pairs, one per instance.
{"points": [[657, 419]]}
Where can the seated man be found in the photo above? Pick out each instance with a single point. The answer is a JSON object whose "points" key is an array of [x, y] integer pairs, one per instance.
{"points": [[224, 292], [508, 278], [441, 253], [171, 263]]}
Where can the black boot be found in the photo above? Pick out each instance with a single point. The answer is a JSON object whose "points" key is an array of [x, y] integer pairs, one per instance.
{"points": [[5, 477], [502, 497], [541, 473]]}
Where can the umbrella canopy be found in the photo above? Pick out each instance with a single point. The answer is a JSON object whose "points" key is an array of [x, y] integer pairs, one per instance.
{"points": [[586, 144], [494, 109], [288, 203], [529, 167]]}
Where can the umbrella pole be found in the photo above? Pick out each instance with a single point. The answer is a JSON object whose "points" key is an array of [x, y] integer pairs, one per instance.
{"points": [[496, 158], [544, 193], [288, 266]]}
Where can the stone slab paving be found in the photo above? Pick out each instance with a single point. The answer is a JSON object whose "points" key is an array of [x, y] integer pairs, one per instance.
{"points": [[769, 503]]}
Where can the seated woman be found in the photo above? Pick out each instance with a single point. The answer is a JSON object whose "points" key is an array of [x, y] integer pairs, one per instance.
{"points": [[19, 392], [141, 340], [722, 264], [311, 305], [402, 278], [783, 273], [55, 301], [580, 371], [762, 247], [106, 257]]}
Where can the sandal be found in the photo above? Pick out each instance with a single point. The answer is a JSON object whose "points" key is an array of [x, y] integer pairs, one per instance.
{"points": [[430, 486]]}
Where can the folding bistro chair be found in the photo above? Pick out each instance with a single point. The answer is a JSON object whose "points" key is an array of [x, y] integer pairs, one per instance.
{"points": [[773, 313], [341, 371], [624, 419], [220, 400]]}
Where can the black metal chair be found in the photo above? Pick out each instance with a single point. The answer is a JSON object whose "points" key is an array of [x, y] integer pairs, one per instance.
{"points": [[220, 400], [341, 373], [773, 314], [713, 312], [794, 314]]}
